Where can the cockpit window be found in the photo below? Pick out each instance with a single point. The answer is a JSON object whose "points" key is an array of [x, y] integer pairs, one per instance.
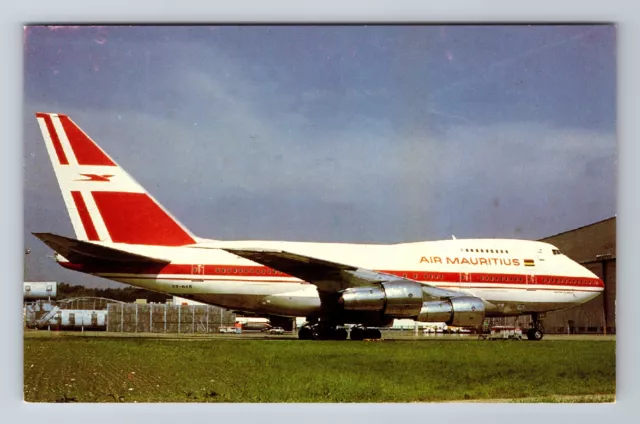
{"points": [[556, 252]]}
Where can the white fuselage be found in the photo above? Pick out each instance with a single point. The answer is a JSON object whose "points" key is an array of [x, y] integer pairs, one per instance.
{"points": [[513, 277]]}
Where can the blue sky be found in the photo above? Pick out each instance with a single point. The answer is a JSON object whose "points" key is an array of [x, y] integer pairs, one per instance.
{"points": [[379, 134]]}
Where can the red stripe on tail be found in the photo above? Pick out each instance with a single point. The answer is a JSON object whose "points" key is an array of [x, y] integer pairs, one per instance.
{"points": [[85, 217], [62, 158], [87, 152], [134, 218]]}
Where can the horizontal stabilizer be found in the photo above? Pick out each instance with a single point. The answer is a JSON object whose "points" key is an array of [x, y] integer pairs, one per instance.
{"points": [[82, 251]]}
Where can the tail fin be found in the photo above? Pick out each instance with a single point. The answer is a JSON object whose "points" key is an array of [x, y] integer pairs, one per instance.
{"points": [[103, 201]]}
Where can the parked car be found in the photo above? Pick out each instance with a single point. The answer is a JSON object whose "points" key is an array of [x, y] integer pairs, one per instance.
{"points": [[227, 330]]}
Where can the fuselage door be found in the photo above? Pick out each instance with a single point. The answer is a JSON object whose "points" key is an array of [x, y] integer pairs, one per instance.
{"points": [[465, 277], [531, 281], [197, 272]]}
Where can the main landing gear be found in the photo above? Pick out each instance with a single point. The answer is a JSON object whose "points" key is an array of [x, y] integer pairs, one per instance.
{"points": [[324, 331], [361, 333], [536, 332]]}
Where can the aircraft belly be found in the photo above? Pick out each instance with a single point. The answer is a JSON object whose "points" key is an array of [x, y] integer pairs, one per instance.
{"points": [[301, 299], [518, 302], [287, 299]]}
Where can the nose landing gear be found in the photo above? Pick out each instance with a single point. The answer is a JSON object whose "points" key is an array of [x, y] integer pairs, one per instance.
{"points": [[536, 332]]}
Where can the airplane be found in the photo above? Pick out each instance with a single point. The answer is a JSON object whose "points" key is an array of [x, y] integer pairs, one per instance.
{"points": [[123, 234]]}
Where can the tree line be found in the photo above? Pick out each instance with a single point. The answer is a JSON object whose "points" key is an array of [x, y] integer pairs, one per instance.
{"points": [[124, 294]]}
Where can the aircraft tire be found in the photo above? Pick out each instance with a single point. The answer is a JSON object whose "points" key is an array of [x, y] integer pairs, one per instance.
{"points": [[316, 334], [373, 333], [357, 333], [535, 334], [340, 334], [305, 333]]}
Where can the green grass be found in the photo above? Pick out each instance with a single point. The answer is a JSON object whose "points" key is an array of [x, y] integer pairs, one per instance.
{"points": [[104, 369]]}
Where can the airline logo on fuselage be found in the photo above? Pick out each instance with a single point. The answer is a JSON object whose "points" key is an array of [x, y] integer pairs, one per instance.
{"points": [[469, 261]]}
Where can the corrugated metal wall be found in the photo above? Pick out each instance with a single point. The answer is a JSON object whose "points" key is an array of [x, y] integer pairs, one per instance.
{"points": [[158, 318], [595, 247]]}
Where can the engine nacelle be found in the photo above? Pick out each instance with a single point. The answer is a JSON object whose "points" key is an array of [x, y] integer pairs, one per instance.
{"points": [[395, 298], [463, 311], [402, 299]]}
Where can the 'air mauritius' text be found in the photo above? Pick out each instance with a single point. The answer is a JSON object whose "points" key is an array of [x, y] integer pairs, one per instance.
{"points": [[470, 261]]}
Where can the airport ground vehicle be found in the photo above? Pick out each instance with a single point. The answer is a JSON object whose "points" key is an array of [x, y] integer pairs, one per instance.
{"points": [[503, 332], [122, 233], [276, 330]]}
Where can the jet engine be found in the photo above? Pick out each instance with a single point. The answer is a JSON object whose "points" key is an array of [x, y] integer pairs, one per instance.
{"points": [[397, 299], [463, 311], [401, 299]]}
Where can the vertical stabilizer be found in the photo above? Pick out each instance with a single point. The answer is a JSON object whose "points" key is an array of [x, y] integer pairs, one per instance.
{"points": [[104, 203]]}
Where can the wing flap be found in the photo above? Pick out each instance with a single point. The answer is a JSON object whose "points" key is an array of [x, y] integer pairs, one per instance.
{"points": [[82, 251], [323, 274]]}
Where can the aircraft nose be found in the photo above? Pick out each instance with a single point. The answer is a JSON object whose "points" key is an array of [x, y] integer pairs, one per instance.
{"points": [[595, 280], [599, 283]]}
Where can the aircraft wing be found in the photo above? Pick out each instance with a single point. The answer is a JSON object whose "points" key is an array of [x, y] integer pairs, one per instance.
{"points": [[83, 251], [329, 277]]}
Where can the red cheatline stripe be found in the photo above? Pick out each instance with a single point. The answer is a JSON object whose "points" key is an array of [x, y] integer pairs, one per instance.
{"points": [[87, 223], [87, 152], [62, 158], [435, 278], [212, 280]]}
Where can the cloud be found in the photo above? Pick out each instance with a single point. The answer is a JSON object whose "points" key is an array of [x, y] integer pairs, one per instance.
{"points": [[236, 152]]}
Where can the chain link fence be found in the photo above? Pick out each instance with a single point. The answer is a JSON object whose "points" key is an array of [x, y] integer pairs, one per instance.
{"points": [[159, 318]]}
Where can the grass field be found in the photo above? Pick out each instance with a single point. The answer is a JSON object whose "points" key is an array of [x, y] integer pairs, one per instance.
{"points": [[105, 369]]}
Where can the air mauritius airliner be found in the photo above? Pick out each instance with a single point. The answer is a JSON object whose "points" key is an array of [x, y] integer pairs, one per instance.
{"points": [[123, 234]]}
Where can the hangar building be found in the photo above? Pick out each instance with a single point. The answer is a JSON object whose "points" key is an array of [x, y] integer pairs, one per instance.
{"points": [[593, 246]]}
